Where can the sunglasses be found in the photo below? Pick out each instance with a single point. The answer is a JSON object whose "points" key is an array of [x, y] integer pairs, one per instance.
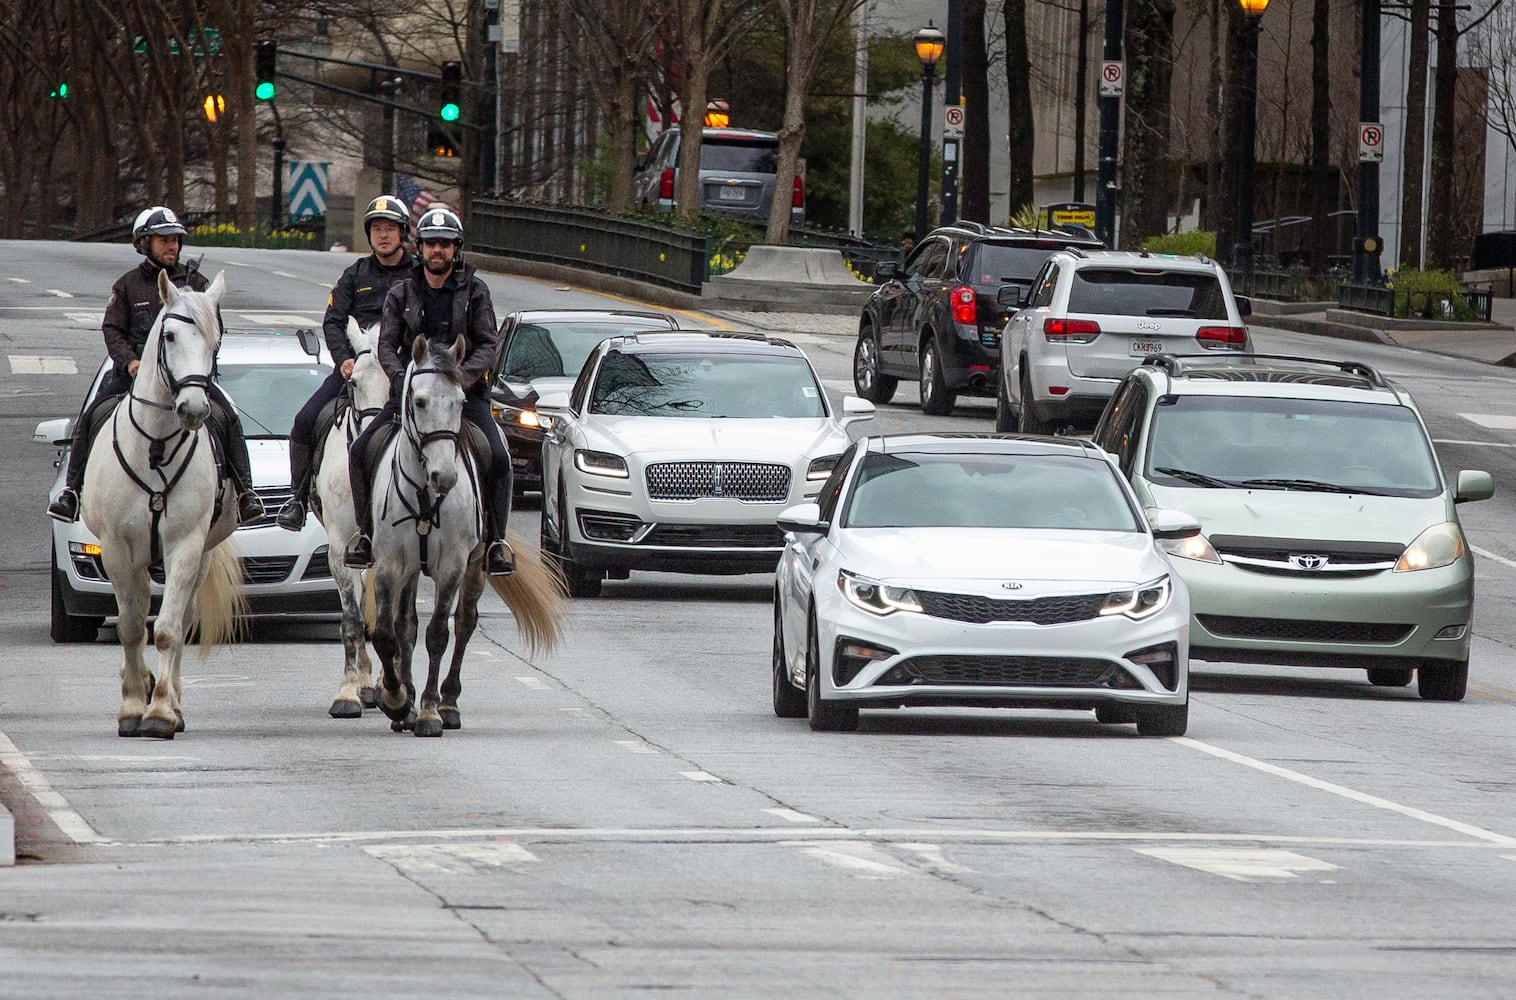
{"points": [[429, 242]]}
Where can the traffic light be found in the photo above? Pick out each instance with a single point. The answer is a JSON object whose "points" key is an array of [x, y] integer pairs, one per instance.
{"points": [[266, 54], [215, 106], [452, 73], [60, 92]]}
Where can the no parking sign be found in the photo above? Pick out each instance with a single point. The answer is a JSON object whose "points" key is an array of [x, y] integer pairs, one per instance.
{"points": [[1370, 142], [1112, 78]]}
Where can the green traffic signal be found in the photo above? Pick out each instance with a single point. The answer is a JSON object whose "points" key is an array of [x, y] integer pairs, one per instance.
{"points": [[265, 65], [60, 91], [265, 91], [449, 112]]}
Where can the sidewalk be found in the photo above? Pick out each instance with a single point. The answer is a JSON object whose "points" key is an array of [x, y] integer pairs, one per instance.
{"points": [[1493, 344]]}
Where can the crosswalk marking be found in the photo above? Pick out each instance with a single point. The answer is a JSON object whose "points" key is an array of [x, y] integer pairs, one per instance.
{"points": [[635, 746], [269, 318], [1494, 421], [862, 860], [60, 293], [42, 364], [931, 856], [531, 682], [792, 815], [451, 859], [1241, 864], [87, 319], [700, 776], [20, 281]]}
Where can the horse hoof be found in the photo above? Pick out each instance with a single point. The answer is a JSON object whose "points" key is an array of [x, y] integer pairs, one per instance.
{"points": [[129, 727], [398, 714], [156, 728], [402, 725], [367, 697], [450, 718], [345, 708], [428, 727], [178, 722]]}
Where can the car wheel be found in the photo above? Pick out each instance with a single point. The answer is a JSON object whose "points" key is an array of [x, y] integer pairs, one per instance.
{"points": [[580, 582], [824, 716], [1005, 417], [869, 382], [1027, 420], [789, 702], [1442, 680], [1390, 677], [936, 398], [66, 627], [1115, 714], [1163, 720]]}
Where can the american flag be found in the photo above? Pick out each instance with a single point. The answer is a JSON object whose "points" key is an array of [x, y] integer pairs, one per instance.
{"points": [[408, 191]]}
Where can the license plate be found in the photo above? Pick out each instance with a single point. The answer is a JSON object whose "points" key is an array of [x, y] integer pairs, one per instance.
{"points": [[732, 194], [1147, 347]]}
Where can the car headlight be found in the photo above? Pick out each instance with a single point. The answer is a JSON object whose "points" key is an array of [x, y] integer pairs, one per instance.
{"points": [[1438, 546], [1196, 547], [600, 463], [874, 597], [521, 416], [820, 468], [1143, 602]]}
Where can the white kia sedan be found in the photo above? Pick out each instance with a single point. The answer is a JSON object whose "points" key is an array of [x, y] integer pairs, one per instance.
{"points": [[677, 452], [980, 571]]}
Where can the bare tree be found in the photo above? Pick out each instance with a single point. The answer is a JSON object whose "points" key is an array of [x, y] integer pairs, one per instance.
{"points": [[615, 36], [1323, 191], [1414, 155], [1021, 128], [975, 154], [1146, 188], [1442, 235]]}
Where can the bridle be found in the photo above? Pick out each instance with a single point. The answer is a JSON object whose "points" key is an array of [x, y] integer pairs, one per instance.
{"points": [[427, 508], [353, 417]]}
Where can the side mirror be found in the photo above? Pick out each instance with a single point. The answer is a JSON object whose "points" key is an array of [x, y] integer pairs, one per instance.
{"points": [[1011, 295], [855, 409], [1172, 524], [1473, 484], [885, 270], [309, 342], [553, 404], [803, 519], [59, 433], [1244, 306]]}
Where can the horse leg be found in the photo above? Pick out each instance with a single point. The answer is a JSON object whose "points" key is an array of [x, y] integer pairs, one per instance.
{"points": [[183, 570], [348, 704], [465, 620], [428, 719], [389, 630], [407, 619], [133, 598]]}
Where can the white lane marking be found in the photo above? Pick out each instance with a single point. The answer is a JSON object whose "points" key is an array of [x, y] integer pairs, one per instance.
{"points": [[285, 274], [115, 758], [42, 364], [88, 319], [1467, 829], [60, 293], [700, 776], [20, 281], [1240, 864], [450, 859], [635, 746], [58, 809], [1476, 444], [532, 682], [1494, 421], [1492, 556], [840, 384], [863, 860], [792, 815], [267, 318], [931, 856]]}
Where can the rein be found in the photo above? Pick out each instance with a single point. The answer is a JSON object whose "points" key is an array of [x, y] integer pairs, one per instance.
{"points": [[351, 417], [428, 506]]}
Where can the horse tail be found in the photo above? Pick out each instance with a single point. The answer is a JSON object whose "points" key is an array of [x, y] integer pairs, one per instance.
{"points": [[535, 594], [221, 601]]}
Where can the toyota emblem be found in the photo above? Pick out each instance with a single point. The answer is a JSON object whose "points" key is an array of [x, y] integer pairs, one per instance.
{"points": [[1308, 562]]}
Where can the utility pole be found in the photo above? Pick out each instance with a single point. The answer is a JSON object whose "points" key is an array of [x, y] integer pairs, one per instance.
{"points": [[387, 87], [952, 97], [1366, 245], [1081, 78], [860, 120], [1110, 131], [489, 172]]}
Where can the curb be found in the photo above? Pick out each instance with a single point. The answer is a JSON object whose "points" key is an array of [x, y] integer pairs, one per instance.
{"points": [[1325, 328]]}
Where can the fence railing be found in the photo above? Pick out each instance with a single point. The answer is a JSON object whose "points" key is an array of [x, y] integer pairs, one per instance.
{"points": [[1438, 304], [1289, 286], [580, 238]]}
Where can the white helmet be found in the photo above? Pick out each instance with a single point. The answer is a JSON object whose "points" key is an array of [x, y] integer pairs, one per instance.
{"points": [[440, 224], [156, 221]]}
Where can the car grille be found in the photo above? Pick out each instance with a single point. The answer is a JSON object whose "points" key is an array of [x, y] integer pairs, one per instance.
{"points": [[1005, 671], [273, 498], [1296, 556], [1039, 611], [716, 536], [753, 481], [255, 569], [1300, 630]]}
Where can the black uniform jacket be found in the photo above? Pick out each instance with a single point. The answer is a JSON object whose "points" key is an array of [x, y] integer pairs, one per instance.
{"points": [[360, 293], [473, 316], [134, 305]]}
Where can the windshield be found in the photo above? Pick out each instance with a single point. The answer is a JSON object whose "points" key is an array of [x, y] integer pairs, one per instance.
{"points": [[996, 262], [558, 349], [1219, 442], [706, 385], [268, 396], [928, 490], [740, 156], [1121, 292]]}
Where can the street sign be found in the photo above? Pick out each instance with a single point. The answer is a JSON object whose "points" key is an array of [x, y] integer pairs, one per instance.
{"points": [[1112, 78], [307, 187], [952, 123], [1370, 142]]}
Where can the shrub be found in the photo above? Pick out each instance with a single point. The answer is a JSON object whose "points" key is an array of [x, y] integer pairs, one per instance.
{"points": [[1183, 244], [1432, 294]]}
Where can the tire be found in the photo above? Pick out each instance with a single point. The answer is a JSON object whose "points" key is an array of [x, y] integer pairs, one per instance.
{"points": [[1442, 680], [1005, 417], [1163, 720], [1027, 420], [937, 399], [580, 582], [1115, 714], [824, 716], [1390, 677], [789, 701], [67, 628], [868, 381]]}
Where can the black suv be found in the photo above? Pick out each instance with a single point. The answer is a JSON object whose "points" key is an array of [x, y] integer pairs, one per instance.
{"points": [[937, 318]]}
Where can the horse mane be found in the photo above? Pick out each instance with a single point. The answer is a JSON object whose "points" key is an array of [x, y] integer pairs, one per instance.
{"points": [[440, 357], [201, 308]]}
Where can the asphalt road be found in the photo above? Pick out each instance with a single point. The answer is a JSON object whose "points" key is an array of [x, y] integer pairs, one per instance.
{"points": [[626, 815]]}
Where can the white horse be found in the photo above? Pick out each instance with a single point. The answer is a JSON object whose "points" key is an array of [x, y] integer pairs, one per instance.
{"points": [[368, 390], [423, 524], [154, 497]]}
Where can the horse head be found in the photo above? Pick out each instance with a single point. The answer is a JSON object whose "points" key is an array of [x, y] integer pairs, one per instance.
{"points": [[371, 386], [433, 410], [181, 350]]}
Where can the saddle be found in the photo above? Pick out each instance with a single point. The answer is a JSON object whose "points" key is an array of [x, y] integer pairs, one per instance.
{"points": [[100, 414], [471, 439]]}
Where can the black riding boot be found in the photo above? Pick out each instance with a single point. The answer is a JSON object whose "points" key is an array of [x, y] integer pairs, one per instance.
{"points": [[499, 560], [292, 514], [66, 507], [249, 507], [360, 550]]}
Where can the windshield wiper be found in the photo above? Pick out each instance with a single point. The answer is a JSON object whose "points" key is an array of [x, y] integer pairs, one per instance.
{"points": [[684, 404], [1198, 478], [1315, 485], [1171, 312]]}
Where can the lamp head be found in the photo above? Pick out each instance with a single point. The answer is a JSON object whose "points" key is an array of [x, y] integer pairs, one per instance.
{"points": [[1253, 8], [930, 42]]}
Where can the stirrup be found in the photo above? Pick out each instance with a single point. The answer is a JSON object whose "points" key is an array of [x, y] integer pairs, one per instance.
{"points": [[291, 516], [249, 507], [499, 560], [66, 507], [360, 553]]}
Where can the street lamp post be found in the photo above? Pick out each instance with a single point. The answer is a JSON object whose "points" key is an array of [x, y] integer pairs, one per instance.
{"points": [[929, 45], [1242, 250]]}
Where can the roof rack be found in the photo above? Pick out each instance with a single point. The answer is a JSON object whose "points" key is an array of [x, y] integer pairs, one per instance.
{"points": [[1174, 364]]}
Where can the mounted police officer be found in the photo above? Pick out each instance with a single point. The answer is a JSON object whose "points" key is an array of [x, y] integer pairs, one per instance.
{"points": [[441, 300], [158, 235], [359, 293]]}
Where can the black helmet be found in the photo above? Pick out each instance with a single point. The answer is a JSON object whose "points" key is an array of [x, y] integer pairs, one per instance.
{"points": [[156, 221], [440, 224], [387, 206]]}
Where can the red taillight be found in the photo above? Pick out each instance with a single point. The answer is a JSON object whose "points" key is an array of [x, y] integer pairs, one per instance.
{"points": [[1075, 331], [666, 183], [1222, 336], [797, 199], [964, 305]]}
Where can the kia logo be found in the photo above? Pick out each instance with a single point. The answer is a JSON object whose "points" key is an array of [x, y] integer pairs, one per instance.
{"points": [[1308, 562], [1010, 586]]}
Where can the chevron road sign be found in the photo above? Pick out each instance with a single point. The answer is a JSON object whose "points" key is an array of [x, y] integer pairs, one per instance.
{"points": [[307, 187]]}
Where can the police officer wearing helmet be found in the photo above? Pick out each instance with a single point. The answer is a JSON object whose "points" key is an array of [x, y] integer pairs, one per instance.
{"points": [[359, 293], [442, 300], [158, 235]]}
